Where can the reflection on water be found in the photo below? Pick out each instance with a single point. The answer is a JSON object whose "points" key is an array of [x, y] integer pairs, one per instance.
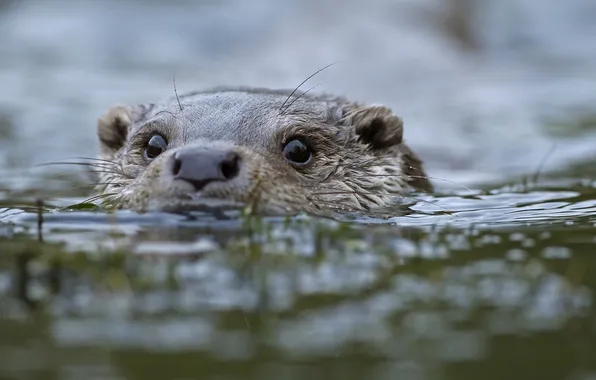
{"points": [[437, 303], [434, 300], [491, 282]]}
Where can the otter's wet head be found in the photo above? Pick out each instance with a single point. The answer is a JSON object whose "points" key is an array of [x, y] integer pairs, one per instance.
{"points": [[320, 154]]}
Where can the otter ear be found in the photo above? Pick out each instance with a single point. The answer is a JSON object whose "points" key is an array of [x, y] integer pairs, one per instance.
{"points": [[112, 129], [376, 126]]}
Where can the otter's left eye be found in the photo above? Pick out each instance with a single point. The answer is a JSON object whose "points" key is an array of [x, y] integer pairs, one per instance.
{"points": [[297, 152], [155, 147]]}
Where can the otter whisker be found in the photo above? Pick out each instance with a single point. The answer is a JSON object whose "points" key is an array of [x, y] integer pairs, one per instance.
{"points": [[281, 109], [97, 197], [179, 105], [88, 164], [113, 187], [98, 160], [91, 185], [112, 172], [104, 168], [414, 168], [109, 182], [106, 172], [407, 196], [442, 180], [68, 178], [423, 176], [299, 96], [93, 159], [176, 91], [166, 111]]}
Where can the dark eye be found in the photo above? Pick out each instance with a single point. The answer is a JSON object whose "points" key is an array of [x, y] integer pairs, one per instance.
{"points": [[155, 147], [297, 152]]}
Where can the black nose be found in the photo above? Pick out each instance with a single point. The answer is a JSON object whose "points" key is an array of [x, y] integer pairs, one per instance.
{"points": [[202, 166]]}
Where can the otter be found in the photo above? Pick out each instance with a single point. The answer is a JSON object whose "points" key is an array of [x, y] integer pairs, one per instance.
{"points": [[276, 151]]}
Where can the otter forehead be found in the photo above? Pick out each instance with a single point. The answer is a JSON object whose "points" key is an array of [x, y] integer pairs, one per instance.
{"points": [[242, 117]]}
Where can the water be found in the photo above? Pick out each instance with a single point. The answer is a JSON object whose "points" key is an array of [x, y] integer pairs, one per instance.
{"points": [[492, 277]]}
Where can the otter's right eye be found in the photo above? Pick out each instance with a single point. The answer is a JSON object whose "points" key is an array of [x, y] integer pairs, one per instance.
{"points": [[297, 152], [155, 147]]}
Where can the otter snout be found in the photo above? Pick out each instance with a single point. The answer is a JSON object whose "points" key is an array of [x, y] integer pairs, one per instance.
{"points": [[201, 166]]}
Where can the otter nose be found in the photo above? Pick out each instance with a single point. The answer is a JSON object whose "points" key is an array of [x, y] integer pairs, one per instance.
{"points": [[200, 167]]}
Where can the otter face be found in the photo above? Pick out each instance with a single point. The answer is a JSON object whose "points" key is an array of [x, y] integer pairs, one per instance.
{"points": [[249, 147]]}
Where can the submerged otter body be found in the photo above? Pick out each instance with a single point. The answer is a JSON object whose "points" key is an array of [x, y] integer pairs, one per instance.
{"points": [[272, 150]]}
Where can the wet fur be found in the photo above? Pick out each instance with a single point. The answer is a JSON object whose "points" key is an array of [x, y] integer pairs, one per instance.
{"points": [[360, 161]]}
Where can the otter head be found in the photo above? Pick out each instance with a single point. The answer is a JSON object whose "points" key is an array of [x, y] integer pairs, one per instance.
{"points": [[255, 147]]}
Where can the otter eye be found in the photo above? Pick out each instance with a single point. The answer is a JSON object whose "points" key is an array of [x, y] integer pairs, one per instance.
{"points": [[297, 152], [155, 147]]}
